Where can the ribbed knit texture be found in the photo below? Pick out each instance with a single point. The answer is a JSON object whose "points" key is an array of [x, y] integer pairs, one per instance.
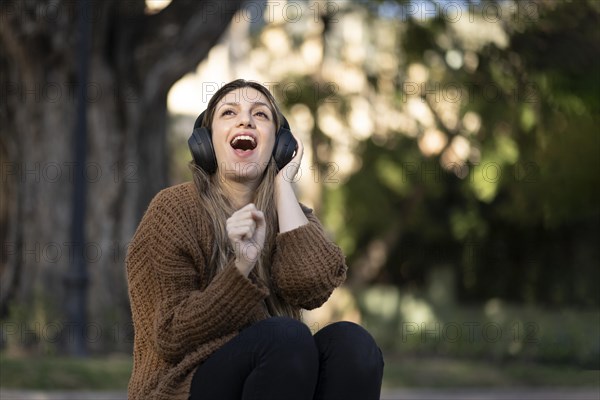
{"points": [[180, 317]]}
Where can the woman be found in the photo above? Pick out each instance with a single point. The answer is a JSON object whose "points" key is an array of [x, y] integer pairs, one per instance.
{"points": [[219, 269]]}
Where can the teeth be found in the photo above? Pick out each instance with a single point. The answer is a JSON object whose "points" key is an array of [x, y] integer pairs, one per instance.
{"points": [[244, 137]]}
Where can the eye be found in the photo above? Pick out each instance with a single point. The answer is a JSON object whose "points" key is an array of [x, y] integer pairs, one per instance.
{"points": [[228, 112], [262, 114]]}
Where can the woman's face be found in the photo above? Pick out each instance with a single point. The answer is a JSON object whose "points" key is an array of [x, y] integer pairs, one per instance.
{"points": [[243, 134]]}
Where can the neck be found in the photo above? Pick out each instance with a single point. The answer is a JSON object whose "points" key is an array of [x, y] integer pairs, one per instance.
{"points": [[239, 193]]}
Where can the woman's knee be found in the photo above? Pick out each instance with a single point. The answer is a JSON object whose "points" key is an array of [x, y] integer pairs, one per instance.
{"points": [[350, 344], [288, 343], [345, 332]]}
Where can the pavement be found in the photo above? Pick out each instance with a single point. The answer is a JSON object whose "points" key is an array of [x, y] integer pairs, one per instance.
{"points": [[394, 394], [493, 394]]}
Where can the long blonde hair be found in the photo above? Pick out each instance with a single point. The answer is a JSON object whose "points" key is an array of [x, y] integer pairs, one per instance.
{"points": [[218, 208]]}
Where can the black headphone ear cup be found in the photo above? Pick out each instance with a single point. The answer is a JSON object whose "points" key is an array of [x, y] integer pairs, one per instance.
{"points": [[285, 147], [203, 152]]}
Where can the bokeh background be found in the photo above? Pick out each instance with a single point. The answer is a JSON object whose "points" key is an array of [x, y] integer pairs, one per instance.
{"points": [[452, 150]]}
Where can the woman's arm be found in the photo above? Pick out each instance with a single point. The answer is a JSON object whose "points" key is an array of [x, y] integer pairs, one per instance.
{"points": [[172, 307], [289, 212], [307, 265], [290, 215]]}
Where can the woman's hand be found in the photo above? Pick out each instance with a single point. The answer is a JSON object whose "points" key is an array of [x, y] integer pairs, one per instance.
{"points": [[246, 230], [288, 173], [290, 215]]}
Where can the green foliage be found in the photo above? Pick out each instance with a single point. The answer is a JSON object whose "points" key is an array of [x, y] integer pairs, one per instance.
{"points": [[521, 220], [109, 373], [442, 372], [427, 323]]}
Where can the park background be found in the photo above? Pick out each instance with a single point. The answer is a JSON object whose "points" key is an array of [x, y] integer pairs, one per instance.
{"points": [[450, 151]]}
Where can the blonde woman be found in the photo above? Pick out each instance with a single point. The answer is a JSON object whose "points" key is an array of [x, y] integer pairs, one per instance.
{"points": [[219, 269]]}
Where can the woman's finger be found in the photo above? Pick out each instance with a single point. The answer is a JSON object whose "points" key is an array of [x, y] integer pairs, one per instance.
{"points": [[240, 233], [299, 151], [247, 207], [258, 216]]}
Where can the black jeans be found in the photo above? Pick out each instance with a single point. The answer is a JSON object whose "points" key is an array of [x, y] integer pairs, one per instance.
{"points": [[279, 359]]}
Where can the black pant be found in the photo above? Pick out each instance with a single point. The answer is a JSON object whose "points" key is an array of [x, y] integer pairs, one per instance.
{"points": [[279, 359]]}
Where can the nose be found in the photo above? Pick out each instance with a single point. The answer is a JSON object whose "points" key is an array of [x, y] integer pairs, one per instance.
{"points": [[245, 119]]}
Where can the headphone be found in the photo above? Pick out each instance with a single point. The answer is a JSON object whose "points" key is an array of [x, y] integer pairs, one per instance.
{"points": [[203, 152]]}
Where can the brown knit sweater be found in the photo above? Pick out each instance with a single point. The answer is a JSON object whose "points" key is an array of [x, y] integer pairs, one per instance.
{"points": [[180, 317]]}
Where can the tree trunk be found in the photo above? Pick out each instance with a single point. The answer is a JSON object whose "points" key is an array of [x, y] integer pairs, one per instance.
{"points": [[134, 60]]}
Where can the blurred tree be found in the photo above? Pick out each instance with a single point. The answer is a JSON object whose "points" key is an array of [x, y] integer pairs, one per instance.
{"points": [[497, 171], [136, 55], [459, 135]]}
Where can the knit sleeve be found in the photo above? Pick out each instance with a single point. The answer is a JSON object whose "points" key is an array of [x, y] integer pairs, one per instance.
{"points": [[307, 265], [165, 288]]}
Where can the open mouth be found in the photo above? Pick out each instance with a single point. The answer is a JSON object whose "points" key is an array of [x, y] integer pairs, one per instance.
{"points": [[243, 142]]}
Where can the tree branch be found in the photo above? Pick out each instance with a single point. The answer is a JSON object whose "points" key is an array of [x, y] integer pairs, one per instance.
{"points": [[173, 42]]}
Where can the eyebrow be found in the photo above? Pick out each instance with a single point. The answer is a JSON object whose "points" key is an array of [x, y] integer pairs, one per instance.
{"points": [[237, 104]]}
